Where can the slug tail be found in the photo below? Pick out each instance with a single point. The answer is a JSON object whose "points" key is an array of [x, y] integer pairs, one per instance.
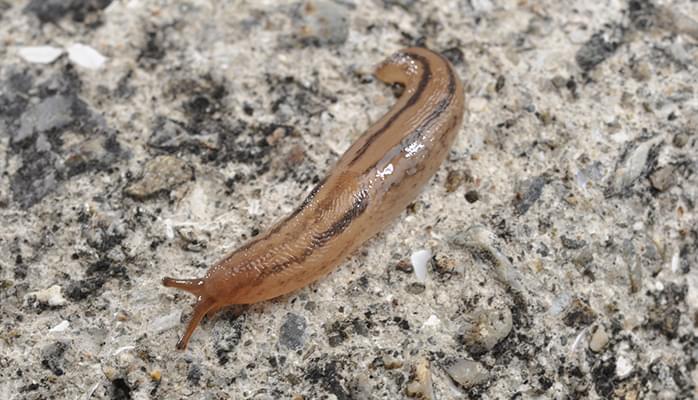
{"points": [[400, 68], [203, 306]]}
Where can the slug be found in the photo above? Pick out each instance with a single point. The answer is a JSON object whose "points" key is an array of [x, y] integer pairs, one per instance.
{"points": [[371, 184]]}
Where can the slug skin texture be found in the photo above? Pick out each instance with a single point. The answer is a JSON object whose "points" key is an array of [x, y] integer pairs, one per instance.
{"points": [[371, 184]]}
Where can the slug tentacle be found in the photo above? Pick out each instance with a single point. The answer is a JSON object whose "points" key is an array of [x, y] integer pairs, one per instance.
{"points": [[193, 286], [372, 183], [203, 306]]}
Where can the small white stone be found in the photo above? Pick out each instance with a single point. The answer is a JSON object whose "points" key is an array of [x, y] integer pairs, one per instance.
{"points": [[169, 229], [432, 321], [482, 5], [85, 56], [40, 54], [254, 208], [419, 259], [598, 339], [477, 104], [51, 296], [675, 262], [61, 327], [623, 367], [467, 373], [198, 203]]}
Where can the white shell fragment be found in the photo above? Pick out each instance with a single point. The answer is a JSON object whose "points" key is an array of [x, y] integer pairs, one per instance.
{"points": [[40, 54], [419, 259], [432, 321], [61, 327], [623, 367], [675, 262], [85, 56]]}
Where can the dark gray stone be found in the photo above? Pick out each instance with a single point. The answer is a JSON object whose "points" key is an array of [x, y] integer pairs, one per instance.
{"points": [[292, 334]]}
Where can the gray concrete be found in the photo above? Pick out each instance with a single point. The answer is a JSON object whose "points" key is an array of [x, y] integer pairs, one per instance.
{"points": [[563, 226]]}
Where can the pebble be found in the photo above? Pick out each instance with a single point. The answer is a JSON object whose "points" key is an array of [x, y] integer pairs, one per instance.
{"points": [[420, 259], [404, 266], [194, 374], [572, 244], [390, 362], [477, 104], [675, 262], [467, 373], [85, 56], [292, 332], [421, 386], [486, 328], [633, 165], [415, 288], [680, 139], [578, 314], [156, 375], [477, 239], [528, 192], [624, 367], [61, 327], [663, 178], [40, 54], [599, 339], [51, 296], [432, 322], [591, 173], [599, 47], [52, 357], [160, 174], [323, 23], [193, 238], [471, 196], [453, 180], [444, 264]]}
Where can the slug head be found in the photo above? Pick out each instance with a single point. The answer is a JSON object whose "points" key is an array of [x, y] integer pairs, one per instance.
{"points": [[205, 304]]}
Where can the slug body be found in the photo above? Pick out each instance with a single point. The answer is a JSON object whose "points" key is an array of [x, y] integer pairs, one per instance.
{"points": [[371, 184]]}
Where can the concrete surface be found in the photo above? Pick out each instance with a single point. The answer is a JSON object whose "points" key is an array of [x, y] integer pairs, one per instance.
{"points": [[153, 137]]}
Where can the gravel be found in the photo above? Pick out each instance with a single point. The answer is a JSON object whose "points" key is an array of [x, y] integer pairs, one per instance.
{"points": [[561, 228]]}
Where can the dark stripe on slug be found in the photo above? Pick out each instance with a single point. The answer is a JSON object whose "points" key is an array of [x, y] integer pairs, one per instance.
{"points": [[436, 113], [281, 223], [321, 239], [357, 208], [426, 76]]}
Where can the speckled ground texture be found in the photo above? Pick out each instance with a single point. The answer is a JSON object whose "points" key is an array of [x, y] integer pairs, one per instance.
{"points": [[563, 226]]}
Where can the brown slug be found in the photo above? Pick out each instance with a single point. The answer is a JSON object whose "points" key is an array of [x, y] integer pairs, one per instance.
{"points": [[371, 184]]}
